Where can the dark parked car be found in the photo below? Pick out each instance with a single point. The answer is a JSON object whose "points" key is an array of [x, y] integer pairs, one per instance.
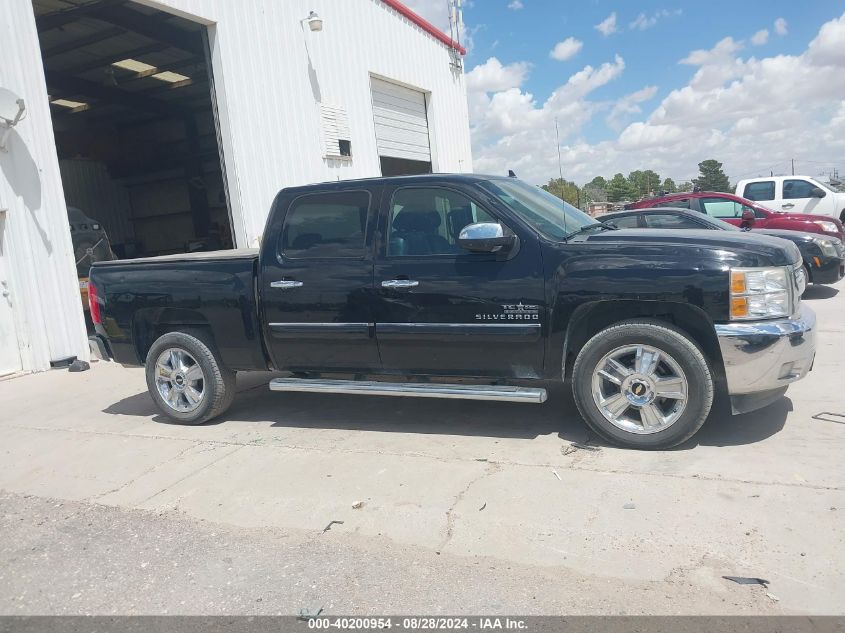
{"points": [[824, 257], [465, 286], [738, 211]]}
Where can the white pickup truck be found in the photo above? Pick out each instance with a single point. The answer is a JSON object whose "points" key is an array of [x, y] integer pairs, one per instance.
{"points": [[796, 194]]}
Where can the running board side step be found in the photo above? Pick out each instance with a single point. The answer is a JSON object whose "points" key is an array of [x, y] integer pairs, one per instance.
{"points": [[500, 393]]}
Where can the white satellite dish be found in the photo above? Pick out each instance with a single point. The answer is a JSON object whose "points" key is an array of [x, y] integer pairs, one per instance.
{"points": [[12, 109]]}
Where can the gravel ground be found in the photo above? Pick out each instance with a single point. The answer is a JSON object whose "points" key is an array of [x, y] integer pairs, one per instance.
{"points": [[62, 557]]}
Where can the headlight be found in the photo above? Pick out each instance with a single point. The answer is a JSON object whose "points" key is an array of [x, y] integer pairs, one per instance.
{"points": [[827, 227], [826, 246], [760, 293]]}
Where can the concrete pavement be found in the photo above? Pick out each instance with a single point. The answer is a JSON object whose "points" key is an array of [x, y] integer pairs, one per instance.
{"points": [[469, 507]]}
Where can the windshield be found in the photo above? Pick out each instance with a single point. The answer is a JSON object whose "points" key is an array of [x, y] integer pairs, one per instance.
{"points": [[828, 186], [550, 215]]}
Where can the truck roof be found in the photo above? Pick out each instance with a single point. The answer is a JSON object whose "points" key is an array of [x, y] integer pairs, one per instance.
{"points": [[396, 180]]}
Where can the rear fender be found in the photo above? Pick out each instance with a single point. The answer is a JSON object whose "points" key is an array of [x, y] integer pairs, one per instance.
{"points": [[150, 324]]}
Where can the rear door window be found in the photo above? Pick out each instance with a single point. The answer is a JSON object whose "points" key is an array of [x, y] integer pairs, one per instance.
{"points": [[670, 221], [763, 190], [326, 225], [625, 222]]}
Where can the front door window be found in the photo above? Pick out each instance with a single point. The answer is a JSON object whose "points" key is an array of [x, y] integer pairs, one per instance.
{"points": [[429, 221]]}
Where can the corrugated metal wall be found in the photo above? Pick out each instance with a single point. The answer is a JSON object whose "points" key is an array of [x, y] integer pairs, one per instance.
{"points": [[44, 288], [88, 186], [271, 73]]}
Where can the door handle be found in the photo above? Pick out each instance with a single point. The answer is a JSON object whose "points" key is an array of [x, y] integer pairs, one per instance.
{"points": [[286, 284], [788, 205], [399, 284]]}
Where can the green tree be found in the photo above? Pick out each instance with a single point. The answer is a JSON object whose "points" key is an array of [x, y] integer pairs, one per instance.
{"points": [[643, 183], [685, 186], [669, 186], [711, 176], [598, 182], [618, 189], [565, 190]]}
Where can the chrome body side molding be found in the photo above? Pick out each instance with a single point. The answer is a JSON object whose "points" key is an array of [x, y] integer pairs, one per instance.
{"points": [[501, 393]]}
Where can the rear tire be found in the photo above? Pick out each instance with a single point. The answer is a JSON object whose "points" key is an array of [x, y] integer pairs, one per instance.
{"points": [[186, 378], [643, 384]]}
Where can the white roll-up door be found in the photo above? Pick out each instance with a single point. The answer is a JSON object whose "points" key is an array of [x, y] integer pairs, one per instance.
{"points": [[401, 121]]}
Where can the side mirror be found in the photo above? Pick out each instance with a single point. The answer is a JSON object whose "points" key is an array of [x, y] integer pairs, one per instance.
{"points": [[748, 219], [817, 192], [485, 237]]}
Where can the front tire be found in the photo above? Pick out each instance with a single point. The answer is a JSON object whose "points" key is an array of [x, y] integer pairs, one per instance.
{"points": [[187, 380], [642, 384]]}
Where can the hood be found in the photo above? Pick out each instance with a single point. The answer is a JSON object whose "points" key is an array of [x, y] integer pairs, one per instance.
{"points": [[745, 248], [806, 217], [793, 236]]}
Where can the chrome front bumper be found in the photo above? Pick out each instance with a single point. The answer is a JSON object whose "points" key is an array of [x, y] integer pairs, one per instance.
{"points": [[763, 357]]}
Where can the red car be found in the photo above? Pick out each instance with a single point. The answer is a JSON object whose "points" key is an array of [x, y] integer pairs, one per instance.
{"points": [[745, 213]]}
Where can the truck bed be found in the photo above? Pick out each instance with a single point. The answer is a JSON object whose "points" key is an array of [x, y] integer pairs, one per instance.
{"points": [[213, 292], [238, 253]]}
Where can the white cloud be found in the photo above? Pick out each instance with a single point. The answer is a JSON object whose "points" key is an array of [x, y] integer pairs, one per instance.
{"points": [[828, 47], [515, 5], [760, 37], [723, 50], [643, 22], [780, 26], [628, 106], [639, 136], [492, 76], [566, 49], [511, 130], [733, 108], [608, 25]]}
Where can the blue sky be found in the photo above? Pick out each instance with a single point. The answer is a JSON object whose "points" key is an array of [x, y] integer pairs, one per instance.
{"points": [[624, 98]]}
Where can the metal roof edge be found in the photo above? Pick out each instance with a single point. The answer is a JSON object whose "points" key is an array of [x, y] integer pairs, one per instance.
{"points": [[425, 25]]}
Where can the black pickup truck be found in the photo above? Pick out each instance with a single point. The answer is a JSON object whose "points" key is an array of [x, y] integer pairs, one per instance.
{"points": [[464, 286]]}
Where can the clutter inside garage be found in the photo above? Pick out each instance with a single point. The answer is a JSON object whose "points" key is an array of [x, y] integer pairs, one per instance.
{"points": [[132, 108]]}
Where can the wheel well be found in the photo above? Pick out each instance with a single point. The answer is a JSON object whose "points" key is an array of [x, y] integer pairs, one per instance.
{"points": [[590, 319], [148, 326]]}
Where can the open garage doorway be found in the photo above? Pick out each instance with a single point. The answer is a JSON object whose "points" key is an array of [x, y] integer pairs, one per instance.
{"points": [[133, 111]]}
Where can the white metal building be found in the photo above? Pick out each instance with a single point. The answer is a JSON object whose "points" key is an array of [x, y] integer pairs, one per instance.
{"points": [[175, 122]]}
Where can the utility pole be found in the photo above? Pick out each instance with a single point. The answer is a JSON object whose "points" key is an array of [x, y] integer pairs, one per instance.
{"points": [[793, 166]]}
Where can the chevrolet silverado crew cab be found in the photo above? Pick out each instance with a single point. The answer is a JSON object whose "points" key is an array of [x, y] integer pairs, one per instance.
{"points": [[464, 286]]}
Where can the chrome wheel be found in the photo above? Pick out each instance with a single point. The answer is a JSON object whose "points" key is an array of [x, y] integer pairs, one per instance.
{"points": [[179, 380], [639, 389]]}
